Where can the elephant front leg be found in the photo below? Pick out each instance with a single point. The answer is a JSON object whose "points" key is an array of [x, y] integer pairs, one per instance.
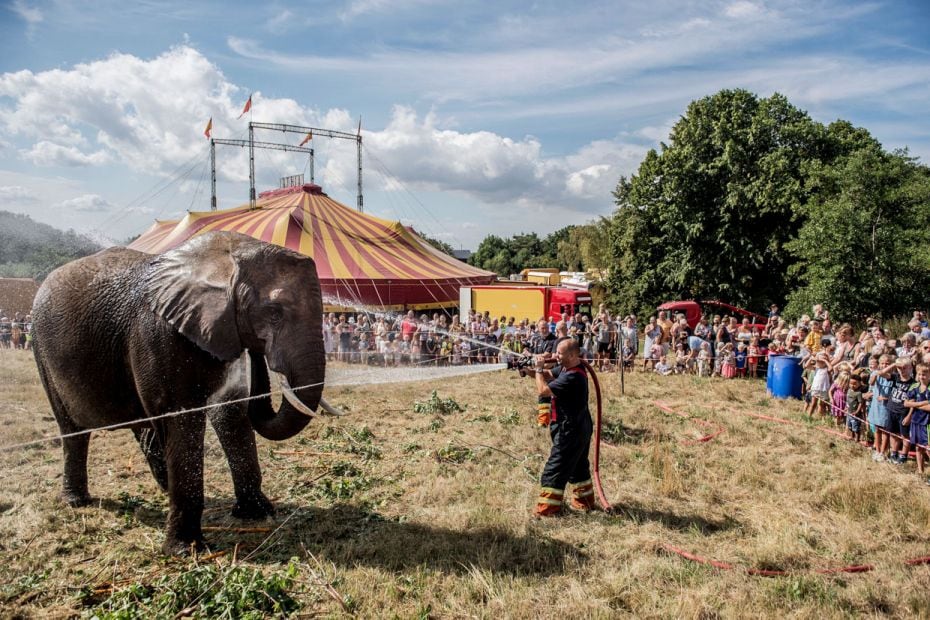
{"points": [[184, 455], [238, 441]]}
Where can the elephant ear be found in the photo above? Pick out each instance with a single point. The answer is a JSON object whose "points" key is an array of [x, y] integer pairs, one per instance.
{"points": [[193, 288]]}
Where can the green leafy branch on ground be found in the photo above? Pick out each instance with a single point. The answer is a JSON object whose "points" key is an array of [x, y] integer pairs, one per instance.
{"points": [[206, 591], [436, 405]]}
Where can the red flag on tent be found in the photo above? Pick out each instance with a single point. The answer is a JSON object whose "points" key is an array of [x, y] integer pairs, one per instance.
{"points": [[248, 106], [307, 139], [206, 132]]}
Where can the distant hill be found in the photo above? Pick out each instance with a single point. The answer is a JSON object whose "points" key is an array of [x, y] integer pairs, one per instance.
{"points": [[29, 249]]}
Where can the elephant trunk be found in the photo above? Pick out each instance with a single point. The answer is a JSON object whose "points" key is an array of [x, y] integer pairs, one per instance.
{"points": [[293, 414]]}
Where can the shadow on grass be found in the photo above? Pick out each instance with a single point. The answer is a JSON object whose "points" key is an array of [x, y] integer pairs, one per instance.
{"points": [[671, 520], [349, 535], [616, 434]]}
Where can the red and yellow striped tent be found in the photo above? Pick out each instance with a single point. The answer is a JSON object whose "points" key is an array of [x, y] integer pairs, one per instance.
{"points": [[361, 260]]}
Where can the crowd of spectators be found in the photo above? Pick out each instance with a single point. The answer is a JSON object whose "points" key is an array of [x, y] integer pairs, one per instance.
{"points": [[875, 387], [441, 339], [15, 331]]}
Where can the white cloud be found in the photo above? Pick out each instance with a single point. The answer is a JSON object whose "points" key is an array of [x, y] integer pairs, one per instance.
{"points": [[743, 9], [44, 153], [88, 203], [283, 21], [356, 8], [549, 66], [30, 14], [146, 114], [495, 169], [16, 195]]}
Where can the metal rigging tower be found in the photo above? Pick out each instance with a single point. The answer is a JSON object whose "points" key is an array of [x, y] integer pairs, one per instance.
{"points": [[252, 144]]}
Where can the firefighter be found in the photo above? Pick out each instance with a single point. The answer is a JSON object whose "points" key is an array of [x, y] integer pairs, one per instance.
{"points": [[570, 428]]}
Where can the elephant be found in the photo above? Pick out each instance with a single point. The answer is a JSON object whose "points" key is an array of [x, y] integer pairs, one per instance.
{"points": [[123, 337]]}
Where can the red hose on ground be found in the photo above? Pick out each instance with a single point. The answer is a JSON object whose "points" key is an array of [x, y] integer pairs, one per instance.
{"points": [[767, 572], [596, 472], [774, 572], [690, 442]]}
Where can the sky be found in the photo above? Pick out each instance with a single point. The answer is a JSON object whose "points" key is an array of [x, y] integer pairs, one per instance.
{"points": [[477, 118]]}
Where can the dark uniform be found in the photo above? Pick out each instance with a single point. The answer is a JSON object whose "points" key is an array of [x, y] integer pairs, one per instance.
{"points": [[539, 346], [571, 429]]}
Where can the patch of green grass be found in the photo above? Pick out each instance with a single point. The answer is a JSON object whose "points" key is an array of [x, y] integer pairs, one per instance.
{"points": [[203, 592], [510, 418], [804, 589], [25, 583], [344, 481], [451, 453], [358, 441], [436, 405]]}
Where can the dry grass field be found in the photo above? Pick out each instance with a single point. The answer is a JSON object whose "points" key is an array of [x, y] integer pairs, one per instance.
{"points": [[393, 512]]}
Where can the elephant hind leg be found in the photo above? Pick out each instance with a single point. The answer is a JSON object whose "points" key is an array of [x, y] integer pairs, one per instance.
{"points": [[74, 490], [154, 450], [74, 483]]}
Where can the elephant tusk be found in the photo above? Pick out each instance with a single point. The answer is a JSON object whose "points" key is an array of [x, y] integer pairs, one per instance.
{"points": [[325, 406], [292, 398]]}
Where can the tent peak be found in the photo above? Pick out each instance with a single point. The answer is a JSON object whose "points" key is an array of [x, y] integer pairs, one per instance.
{"points": [[306, 188]]}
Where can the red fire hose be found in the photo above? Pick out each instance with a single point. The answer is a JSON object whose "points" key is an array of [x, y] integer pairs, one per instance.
{"points": [[596, 472]]}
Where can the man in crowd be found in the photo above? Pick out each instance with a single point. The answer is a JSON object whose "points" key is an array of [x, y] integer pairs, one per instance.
{"points": [[570, 428]]}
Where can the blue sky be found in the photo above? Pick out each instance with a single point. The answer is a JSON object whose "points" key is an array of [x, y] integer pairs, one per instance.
{"points": [[478, 118]]}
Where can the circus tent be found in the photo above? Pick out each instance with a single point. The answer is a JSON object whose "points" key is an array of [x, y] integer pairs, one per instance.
{"points": [[361, 260]]}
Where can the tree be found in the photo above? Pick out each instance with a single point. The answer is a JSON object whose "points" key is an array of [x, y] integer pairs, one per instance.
{"points": [[33, 250], [442, 246], [863, 248], [505, 257], [709, 214]]}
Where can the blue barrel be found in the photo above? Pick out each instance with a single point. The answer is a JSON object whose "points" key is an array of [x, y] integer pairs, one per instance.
{"points": [[784, 376]]}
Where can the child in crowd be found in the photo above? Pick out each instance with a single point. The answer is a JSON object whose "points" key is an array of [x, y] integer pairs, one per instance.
{"points": [[662, 366], [900, 378], [387, 350], [741, 359], [466, 351], [754, 353], [682, 358], [854, 408], [629, 355], [705, 360], [404, 350], [655, 353], [445, 350], [727, 362], [457, 352], [878, 413], [838, 398], [820, 384], [918, 400]]}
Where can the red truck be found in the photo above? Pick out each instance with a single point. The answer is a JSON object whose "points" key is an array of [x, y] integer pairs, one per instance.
{"points": [[524, 301], [694, 310]]}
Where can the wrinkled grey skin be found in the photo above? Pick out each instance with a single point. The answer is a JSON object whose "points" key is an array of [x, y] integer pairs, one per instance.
{"points": [[123, 335]]}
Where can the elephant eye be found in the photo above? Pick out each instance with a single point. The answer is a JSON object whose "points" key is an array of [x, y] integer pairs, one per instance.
{"points": [[274, 312]]}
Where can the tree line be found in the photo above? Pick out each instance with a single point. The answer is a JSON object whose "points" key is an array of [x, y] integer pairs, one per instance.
{"points": [[753, 202], [29, 249]]}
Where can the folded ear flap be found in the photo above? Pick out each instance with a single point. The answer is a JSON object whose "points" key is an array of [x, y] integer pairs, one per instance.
{"points": [[193, 288]]}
